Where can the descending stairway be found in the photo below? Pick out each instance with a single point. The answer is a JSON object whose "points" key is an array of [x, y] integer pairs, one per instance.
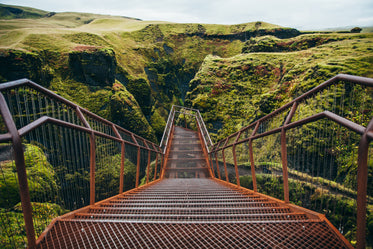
{"points": [[186, 159], [187, 209]]}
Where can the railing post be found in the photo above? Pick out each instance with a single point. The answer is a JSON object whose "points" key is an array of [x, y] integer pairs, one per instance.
{"points": [[155, 167], [362, 183], [225, 166], [167, 150], [122, 160], [162, 166], [252, 165], [21, 172], [92, 157], [148, 167], [284, 155], [251, 156], [217, 164], [235, 165], [284, 166], [92, 168], [138, 166], [204, 147], [212, 165]]}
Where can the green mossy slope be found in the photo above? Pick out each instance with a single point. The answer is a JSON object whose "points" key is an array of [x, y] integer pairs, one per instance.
{"points": [[154, 61], [233, 92]]}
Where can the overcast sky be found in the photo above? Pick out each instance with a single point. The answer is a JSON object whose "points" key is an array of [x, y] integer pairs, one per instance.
{"points": [[301, 14]]}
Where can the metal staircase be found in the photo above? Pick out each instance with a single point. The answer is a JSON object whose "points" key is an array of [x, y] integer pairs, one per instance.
{"points": [[186, 158], [174, 195], [189, 209]]}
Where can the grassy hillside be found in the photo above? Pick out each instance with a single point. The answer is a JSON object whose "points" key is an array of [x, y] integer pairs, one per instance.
{"points": [[233, 92], [152, 61], [11, 12]]}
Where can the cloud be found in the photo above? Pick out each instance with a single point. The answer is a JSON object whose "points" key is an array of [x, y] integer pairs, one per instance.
{"points": [[303, 14]]}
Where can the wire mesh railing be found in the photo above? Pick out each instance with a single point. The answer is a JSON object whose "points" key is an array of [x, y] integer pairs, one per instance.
{"points": [[188, 118], [57, 157], [314, 152]]}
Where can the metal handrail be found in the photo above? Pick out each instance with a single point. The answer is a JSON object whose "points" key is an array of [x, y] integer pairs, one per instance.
{"points": [[170, 122], [167, 130], [29, 83], [365, 132], [336, 79], [14, 135]]}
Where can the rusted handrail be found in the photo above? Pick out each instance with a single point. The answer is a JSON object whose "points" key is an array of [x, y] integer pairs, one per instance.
{"points": [[200, 125], [167, 130], [365, 132], [15, 135], [21, 171]]}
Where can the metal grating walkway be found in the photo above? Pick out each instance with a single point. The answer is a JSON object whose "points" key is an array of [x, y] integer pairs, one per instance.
{"points": [[190, 210], [186, 159]]}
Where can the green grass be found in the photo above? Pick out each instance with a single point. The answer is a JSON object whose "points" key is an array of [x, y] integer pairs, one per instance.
{"points": [[11, 12]]}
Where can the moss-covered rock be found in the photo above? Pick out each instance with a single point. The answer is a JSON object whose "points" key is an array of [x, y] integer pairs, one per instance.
{"points": [[274, 44], [233, 92], [43, 214], [93, 66], [108, 174], [16, 64], [40, 175], [158, 124], [141, 90], [126, 112]]}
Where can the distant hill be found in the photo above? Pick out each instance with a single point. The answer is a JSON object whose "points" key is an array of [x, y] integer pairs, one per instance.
{"points": [[367, 29], [17, 12]]}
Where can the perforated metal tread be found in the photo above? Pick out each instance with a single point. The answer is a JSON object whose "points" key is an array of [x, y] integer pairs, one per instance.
{"points": [[190, 213], [181, 223], [190, 200], [94, 234]]}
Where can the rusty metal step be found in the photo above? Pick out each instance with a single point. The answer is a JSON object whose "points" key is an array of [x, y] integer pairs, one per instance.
{"points": [[229, 205], [95, 234], [187, 169], [186, 211], [194, 217], [182, 160], [161, 195], [222, 198], [182, 193], [191, 213]]}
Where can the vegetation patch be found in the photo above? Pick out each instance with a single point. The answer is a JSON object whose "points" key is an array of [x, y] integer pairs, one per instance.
{"points": [[233, 92], [273, 44]]}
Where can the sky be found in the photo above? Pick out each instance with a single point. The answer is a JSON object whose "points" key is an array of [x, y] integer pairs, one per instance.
{"points": [[300, 14]]}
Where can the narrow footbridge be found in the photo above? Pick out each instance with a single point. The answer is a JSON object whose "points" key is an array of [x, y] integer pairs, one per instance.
{"points": [[272, 184]]}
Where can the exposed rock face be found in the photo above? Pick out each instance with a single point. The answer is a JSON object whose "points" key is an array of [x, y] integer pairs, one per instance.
{"points": [[281, 33], [273, 44], [15, 64], [126, 112], [95, 67]]}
